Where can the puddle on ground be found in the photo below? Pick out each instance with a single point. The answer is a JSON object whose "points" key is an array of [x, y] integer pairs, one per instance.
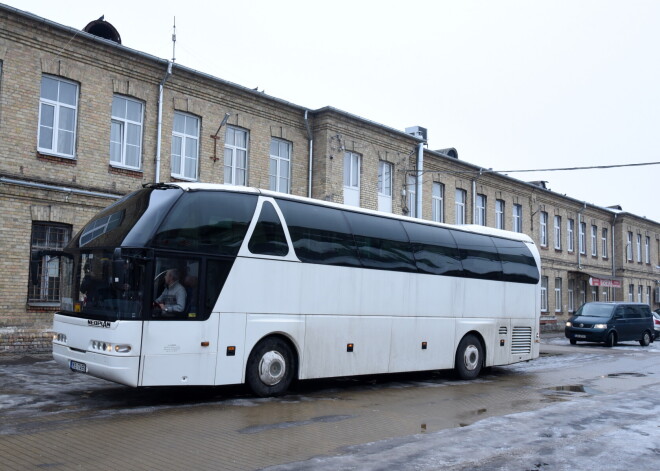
{"points": [[626, 375], [565, 393]]}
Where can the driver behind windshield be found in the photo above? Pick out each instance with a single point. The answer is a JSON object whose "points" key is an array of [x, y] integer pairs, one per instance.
{"points": [[173, 298]]}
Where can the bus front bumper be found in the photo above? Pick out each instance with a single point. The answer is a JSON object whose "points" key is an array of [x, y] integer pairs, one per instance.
{"points": [[120, 369]]}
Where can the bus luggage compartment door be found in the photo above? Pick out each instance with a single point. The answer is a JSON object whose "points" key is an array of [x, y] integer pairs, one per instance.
{"points": [[179, 353]]}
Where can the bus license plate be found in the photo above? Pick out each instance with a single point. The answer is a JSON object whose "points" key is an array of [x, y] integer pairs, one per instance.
{"points": [[77, 366], [580, 336]]}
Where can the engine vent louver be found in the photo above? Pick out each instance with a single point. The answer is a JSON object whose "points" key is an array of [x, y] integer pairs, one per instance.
{"points": [[521, 342]]}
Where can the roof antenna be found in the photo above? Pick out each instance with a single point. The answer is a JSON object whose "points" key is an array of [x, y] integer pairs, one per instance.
{"points": [[174, 40]]}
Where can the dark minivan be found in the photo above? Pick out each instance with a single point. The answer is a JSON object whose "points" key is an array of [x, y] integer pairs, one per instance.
{"points": [[610, 323]]}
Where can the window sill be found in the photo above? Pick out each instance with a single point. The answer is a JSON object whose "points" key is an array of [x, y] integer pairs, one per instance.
{"points": [[58, 159], [174, 178], [128, 172]]}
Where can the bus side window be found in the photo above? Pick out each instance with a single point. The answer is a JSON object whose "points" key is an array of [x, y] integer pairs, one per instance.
{"points": [[268, 237], [518, 264], [319, 234], [479, 256], [434, 249]]}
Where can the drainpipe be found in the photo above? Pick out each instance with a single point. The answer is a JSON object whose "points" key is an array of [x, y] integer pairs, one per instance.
{"points": [[161, 87], [579, 228], [613, 254], [310, 138], [474, 200], [418, 184]]}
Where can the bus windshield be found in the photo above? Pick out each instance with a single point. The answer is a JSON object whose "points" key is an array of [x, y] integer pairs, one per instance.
{"points": [[103, 287]]}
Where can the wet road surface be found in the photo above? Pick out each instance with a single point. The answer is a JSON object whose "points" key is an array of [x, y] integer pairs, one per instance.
{"points": [[56, 419]]}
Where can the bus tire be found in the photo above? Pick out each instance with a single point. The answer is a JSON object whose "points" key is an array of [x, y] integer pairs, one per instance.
{"points": [[270, 367], [469, 358]]}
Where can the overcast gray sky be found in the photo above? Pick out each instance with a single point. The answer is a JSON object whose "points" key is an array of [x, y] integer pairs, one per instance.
{"points": [[511, 84]]}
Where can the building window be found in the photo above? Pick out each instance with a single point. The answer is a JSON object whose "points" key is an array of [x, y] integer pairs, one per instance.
{"points": [[438, 202], [640, 289], [594, 293], [583, 292], [385, 186], [517, 218], [126, 133], [582, 238], [236, 156], [629, 247], [647, 249], [481, 210], [352, 178], [58, 111], [631, 293], [47, 269], [461, 196], [570, 241], [571, 295], [544, 294], [604, 246], [558, 300], [648, 295], [412, 196], [499, 214], [544, 229], [279, 173], [185, 146], [606, 295], [639, 248], [558, 232], [594, 241]]}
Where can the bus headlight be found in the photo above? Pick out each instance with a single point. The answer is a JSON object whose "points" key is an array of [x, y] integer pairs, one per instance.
{"points": [[101, 346]]}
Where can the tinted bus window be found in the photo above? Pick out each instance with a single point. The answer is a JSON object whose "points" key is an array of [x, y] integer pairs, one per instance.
{"points": [[518, 264], [434, 249], [268, 236], [478, 256], [382, 243], [319, 234], [212, 222]]}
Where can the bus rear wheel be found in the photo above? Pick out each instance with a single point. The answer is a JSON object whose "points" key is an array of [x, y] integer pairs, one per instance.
{"points": [[469, 357], [270, 367]]}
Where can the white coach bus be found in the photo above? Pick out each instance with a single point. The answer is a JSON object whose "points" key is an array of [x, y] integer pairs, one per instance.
{"points": [[200, 284]]}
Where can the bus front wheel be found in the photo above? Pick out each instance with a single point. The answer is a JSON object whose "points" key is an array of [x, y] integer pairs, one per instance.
{"points": [[270, 367], [469, 357]]}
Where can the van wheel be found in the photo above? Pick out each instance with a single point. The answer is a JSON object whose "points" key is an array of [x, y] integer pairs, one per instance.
{"points": [[270, 367], [469, 357], [573, 341], [610, 341], [646, 339]]}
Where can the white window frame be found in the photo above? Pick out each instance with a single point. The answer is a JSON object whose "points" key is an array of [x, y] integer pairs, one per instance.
{"points": [[461, 197], [235, 175], [647, 249], [189, 150], [438, 202], [517, 218], [558, 232], [279, 170], [640, 293], [544, 229], [571, 295], [629, 247], [481, 210], [570, 240], [544, 294], [583, 292], [594, 293], [121, 126], [594, 240], [582, 238], [412, 195], [385, 169], [499, 214], [558, 297], [631, 293], [59, 108], [604, 247], [639, 248]]}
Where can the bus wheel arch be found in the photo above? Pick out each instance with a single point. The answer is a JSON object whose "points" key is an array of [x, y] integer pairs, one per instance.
{"points": [[272, 366], [470, 356]]}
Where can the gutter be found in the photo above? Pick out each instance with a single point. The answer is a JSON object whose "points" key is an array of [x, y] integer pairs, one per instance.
{"points": [[418, 183], [63, 189], [159, 132]]}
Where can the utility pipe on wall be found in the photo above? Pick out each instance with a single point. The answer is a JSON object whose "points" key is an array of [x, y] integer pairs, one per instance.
{"points": [[310, 137], [418, 184]]}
